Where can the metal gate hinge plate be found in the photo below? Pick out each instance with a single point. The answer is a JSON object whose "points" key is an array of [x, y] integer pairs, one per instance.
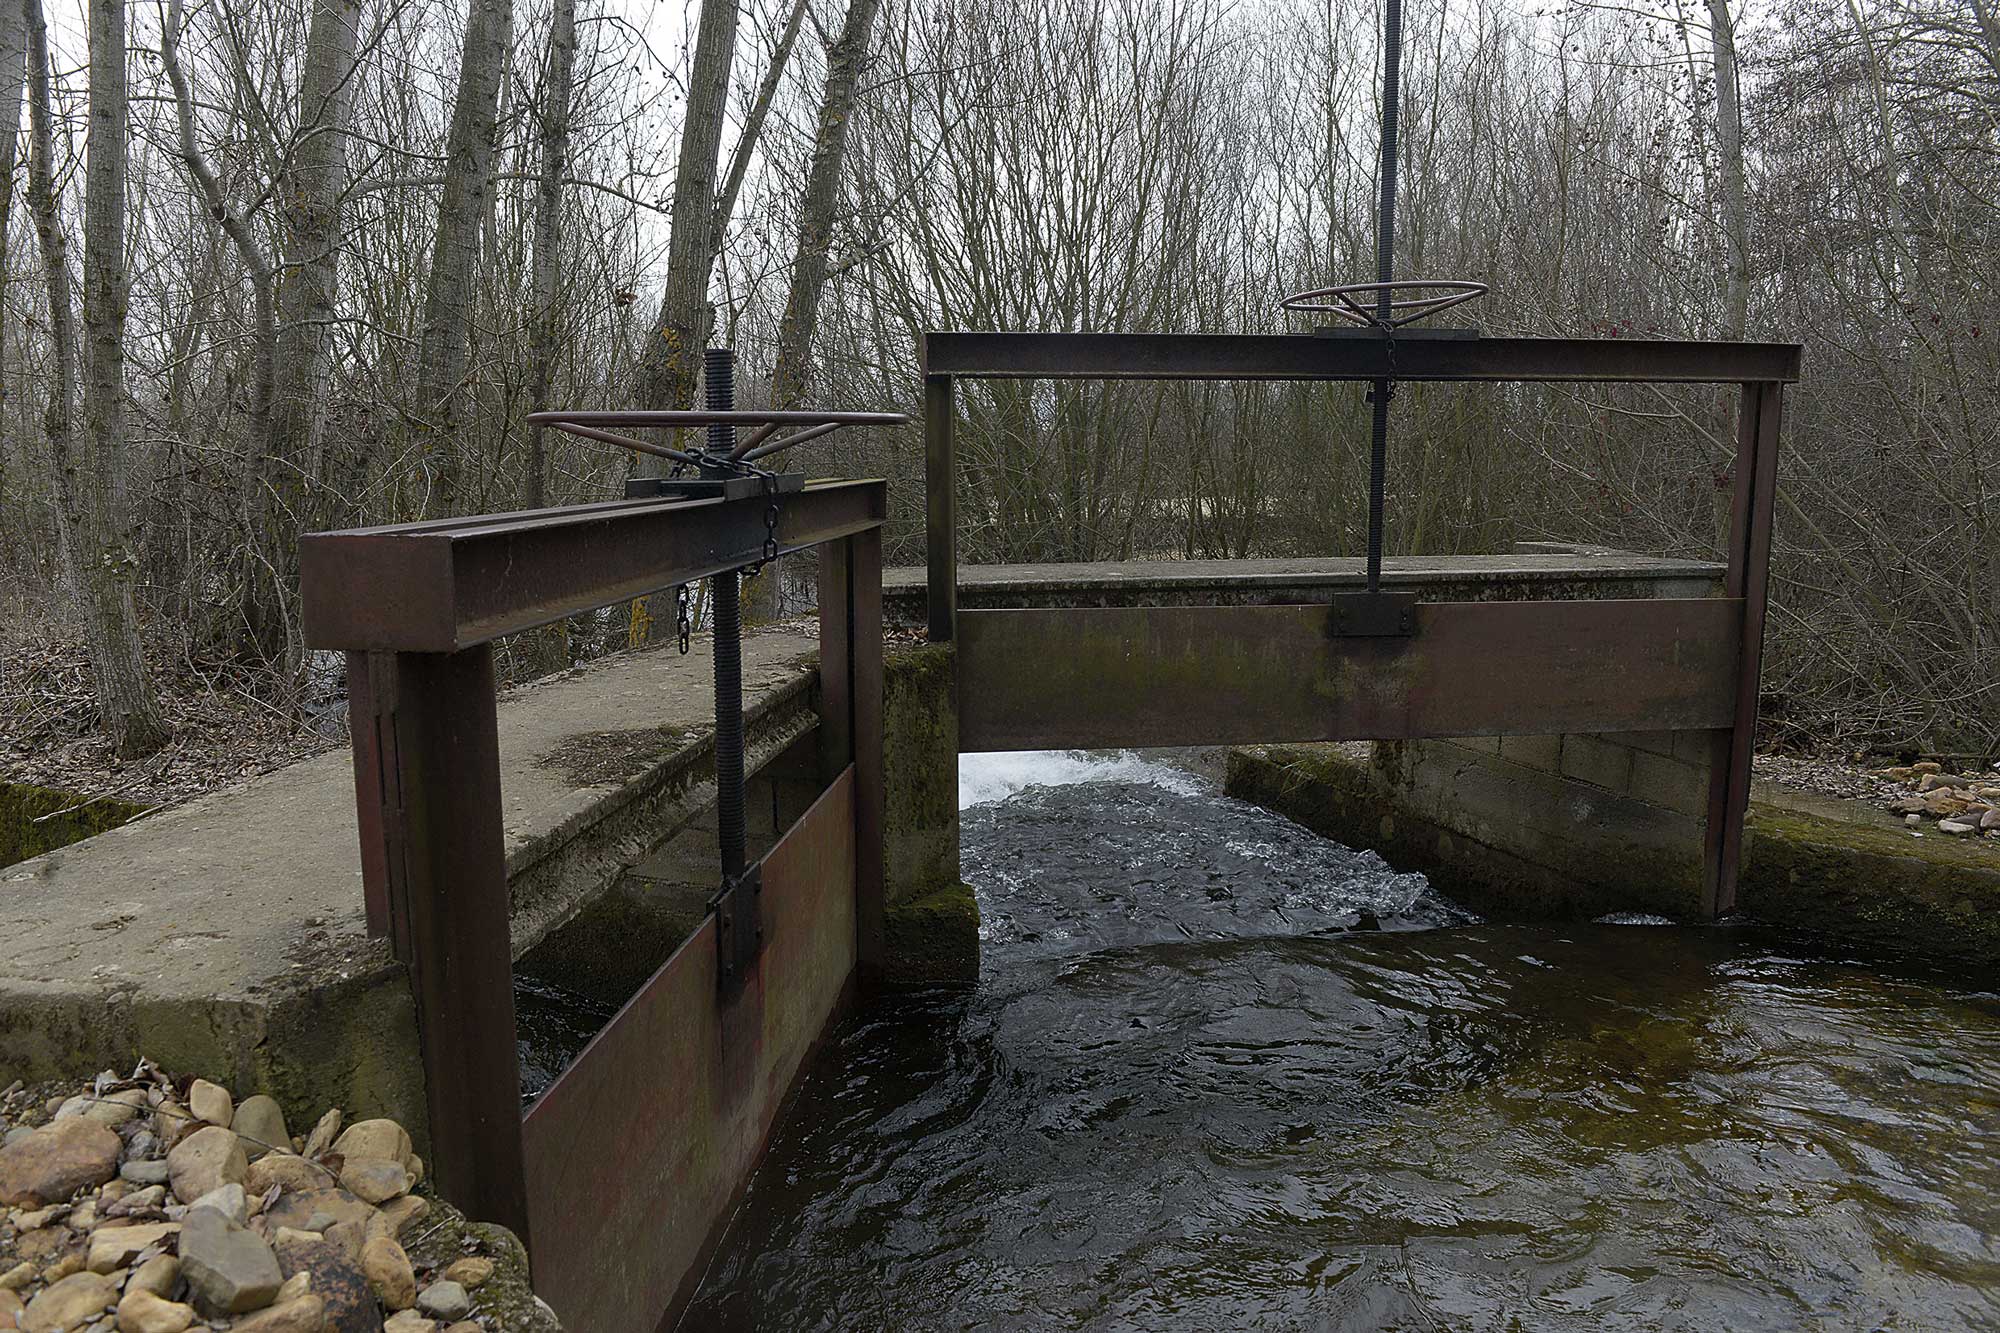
{"points": [[739, 927], [1373, 615]]}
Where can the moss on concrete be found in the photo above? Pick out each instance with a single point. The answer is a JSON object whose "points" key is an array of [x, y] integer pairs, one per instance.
{"points": [[34, 820], [933, 940], [920, 770], [1872, 883]]}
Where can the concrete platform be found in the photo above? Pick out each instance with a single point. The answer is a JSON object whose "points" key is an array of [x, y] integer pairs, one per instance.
{"points": [[228, 935], [1535, 569]]}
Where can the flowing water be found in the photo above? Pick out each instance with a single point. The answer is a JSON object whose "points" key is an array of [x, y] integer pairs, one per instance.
{"points": [[1220, 1074]]}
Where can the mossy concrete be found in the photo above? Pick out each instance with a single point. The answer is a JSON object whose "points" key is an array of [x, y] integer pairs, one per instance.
{"points": [[932, 924], [1852, 878], [228, 935], [1876, 885], [34, 820], [933, 940]]}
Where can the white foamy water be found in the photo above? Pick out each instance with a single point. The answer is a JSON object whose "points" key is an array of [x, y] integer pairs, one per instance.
{"points": [[986, 778]]}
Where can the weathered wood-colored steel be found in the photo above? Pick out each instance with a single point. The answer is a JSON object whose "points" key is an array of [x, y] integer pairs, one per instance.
{"points": [[1293, 356], [1225, 675], [378, 805], [940, 505], [451, 891], [639, 1150], [439, 587], [1759, 423], [836, 662]]}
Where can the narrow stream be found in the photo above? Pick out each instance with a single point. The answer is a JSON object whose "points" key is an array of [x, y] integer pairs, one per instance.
{"points": [[1220, 1074]]}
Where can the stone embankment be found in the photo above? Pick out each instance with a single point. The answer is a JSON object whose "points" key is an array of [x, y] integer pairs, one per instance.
{"points": [[1955, 804], [154, 1204]]}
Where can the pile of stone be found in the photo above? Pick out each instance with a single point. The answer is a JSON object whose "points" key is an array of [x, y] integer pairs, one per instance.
{"points": [[1964, 806], [158, 1205]]}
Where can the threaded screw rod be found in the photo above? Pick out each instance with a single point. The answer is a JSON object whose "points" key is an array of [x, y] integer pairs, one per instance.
{"points": [[719, 373]]}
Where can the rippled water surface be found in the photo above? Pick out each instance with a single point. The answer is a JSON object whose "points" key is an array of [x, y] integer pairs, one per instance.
{"points": [[1220, 1074]]}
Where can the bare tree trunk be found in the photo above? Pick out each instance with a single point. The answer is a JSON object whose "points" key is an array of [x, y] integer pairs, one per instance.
{"points": [[1729, 148], [666, 372], [13, 70], [546, 329], [310, 211], [448, 301], [816, 212], [98, 542]]}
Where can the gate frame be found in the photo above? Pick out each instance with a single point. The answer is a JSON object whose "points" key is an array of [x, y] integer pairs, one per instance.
{"points": [[1760, 369], [416, 608]]}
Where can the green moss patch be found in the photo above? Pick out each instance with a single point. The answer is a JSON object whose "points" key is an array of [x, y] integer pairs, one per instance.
{"points": [[34, 820], [933, 940]]}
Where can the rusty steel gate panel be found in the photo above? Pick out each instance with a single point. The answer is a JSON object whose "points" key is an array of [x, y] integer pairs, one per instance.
{"points": [[1234, 675], [636, 1154]]}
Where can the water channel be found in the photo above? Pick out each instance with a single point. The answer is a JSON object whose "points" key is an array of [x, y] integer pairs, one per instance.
{"points": [[1221, 1074]]}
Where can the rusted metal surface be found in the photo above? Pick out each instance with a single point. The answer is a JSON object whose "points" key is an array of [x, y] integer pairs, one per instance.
{"points": [[638, 1151], [1285, 356], [378, 806], [836, 637], [865, 656], [940, 505], [439, 587], [1141, 676], [451, 888], [1748, 580]]}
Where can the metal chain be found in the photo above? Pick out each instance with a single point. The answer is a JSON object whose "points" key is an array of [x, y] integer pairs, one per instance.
{"points": [[683, 627]]}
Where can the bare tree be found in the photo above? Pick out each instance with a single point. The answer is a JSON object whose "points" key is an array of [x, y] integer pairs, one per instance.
{"points": [[462, 207], [100, 546], [558, 86], [667, 366]]}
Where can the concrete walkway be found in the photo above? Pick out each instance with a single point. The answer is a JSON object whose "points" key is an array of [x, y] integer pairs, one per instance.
{"points": [[228, 935]]}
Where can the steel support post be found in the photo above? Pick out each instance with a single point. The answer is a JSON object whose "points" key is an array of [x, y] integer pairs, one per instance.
{"points": [[940, 509], [1748, 578]]}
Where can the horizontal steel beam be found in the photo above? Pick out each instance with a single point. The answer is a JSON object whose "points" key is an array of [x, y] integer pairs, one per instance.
{"points": [[1235, 675], [1305, 356], [441, 586]]}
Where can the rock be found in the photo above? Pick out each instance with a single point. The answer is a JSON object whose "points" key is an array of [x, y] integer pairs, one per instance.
{"points": [[139, 1201], [17, 1277], [401, 1212], [145, 1173], [336, 1279], [74, 1105], [295, 1286], [375, 1180], [10, 1309], [173, 1122], [56, 1161], [115, 1109], [1914, 821], [299, 1209], [260, 1123], [39, 1218], [157, 1275], [228, 1269], [211, 1102], [39, 1246], [143, 1312], [304, 1315], [68, 1262], [229, 1200], [350, 1236], [467, 1327], [114, 1248], [1990, 820], [444, 1299], [287, 1171], [84, 1216], [409, 1321], [470, 1271], [389, 1273], [383, 1140], [1957, 827], [323, 1134], [206, 1160], [1927, 766], [70, 1304]]}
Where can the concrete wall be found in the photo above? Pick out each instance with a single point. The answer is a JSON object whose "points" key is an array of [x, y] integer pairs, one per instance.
{"points": [[931, 927]]}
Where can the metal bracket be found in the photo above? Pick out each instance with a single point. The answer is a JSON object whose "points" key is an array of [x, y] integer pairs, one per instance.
{"points": [[739, 927], [1373, 615], [709, 488], [1349, 331]]}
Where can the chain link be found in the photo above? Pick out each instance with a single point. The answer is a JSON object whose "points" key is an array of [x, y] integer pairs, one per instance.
{"points": [[683, 627]]}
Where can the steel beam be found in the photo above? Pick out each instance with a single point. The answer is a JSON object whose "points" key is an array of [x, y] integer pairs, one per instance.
{"points": [[443, 586], [1301, 356], [1230, 675]]}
